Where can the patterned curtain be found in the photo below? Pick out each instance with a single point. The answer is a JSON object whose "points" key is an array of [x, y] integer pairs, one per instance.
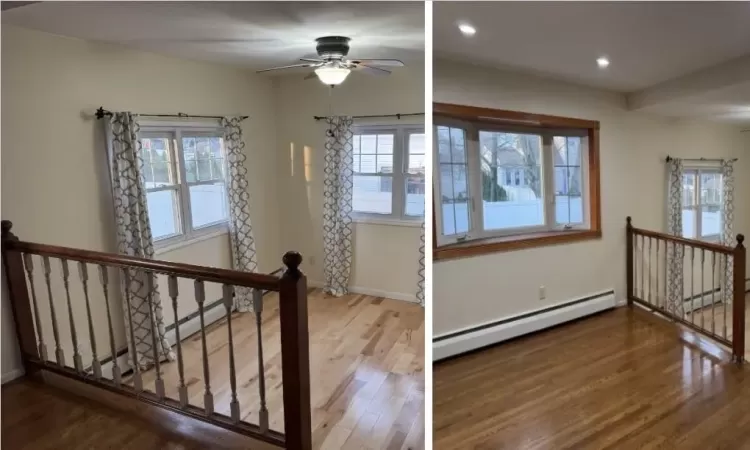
{"points": [[727, 219], [134, 238], [420, 273], [675, 270], [241, 230], [338, 187]]}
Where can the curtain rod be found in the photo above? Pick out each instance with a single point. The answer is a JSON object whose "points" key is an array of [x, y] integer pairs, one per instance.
{"points": [[398, 116], [669, 158], [101, 112]]}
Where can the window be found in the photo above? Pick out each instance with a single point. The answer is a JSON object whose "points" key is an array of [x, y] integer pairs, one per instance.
{"points": [[701, 199], [184, 171], [389, 173], [505, 182]]}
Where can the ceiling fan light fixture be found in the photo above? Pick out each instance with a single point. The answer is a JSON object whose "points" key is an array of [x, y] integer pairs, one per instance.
{"points": [[332, 76]]}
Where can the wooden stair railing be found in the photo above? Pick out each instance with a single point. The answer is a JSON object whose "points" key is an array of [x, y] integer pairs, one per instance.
{"points": [[651, 255], [18, 260]]}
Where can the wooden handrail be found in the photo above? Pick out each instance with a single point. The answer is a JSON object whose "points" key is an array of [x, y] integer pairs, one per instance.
{"points": [[738, 256], [213, 274], [687, 242]]}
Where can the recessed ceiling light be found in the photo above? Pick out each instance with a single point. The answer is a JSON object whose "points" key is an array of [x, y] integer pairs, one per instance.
{"points": [[467, 29], [602, 62]]}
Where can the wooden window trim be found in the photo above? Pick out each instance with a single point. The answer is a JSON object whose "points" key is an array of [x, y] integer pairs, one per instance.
{"points": [[529, 240]]}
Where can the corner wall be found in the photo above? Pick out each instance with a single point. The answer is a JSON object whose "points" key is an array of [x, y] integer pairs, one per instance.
{"points": [[633, 146], [55, 184], [386, 257]]}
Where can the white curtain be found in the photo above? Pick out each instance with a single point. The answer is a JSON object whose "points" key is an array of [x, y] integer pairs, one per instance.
{"points": [[675, 270], [338, 187], [727, 219], [134, 238], [241, 230]]}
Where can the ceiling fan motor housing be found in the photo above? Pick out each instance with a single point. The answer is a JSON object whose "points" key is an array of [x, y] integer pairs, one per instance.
{"points": [[332, 47]]}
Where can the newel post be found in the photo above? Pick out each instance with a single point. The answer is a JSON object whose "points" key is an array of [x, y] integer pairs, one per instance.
{"points": [[295, 354], [629, 260], [738, 300], [19, 298]]}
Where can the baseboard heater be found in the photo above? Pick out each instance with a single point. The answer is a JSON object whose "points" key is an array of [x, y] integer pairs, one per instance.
{"points": [[473, 338]]}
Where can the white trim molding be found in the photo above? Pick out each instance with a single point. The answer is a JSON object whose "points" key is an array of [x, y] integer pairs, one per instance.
{"points": [[496, 331]]}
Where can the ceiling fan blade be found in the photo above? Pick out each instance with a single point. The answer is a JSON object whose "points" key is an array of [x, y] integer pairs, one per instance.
{"points": [[312, 60], [311, 76], [380, 62], [372, 70], [293, 66]]}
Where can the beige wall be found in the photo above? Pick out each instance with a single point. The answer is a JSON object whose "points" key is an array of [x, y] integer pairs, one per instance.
{"points": [[385, 256], [55, 184], [467, 292]]}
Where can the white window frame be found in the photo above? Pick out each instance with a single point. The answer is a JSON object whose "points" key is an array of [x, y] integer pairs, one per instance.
{"points": [[188, 233], [698, 224], [398, 216], [476, 211]]}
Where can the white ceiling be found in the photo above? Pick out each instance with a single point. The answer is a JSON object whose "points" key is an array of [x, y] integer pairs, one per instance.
{"points": [[647, 43], [254, 35], [699, 50]]}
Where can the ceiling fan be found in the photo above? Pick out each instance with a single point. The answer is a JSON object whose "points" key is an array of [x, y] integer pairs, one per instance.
{"points": [[332, 69]]}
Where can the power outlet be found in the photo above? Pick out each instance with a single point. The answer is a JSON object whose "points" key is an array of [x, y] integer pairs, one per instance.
{"points": [[542, 293]]}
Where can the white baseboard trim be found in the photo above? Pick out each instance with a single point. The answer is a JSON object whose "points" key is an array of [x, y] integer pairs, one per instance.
{"points": [[12, 375], [472, 338], [412, 298]]}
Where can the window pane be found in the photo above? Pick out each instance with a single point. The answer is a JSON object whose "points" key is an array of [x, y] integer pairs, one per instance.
{"points": [[208, 204], [415, 196], [689, 206], [188, 148], [453, 180], [512, 194], [368, 143], [384, 164], [567, 180], [191, 170], [415, 182], [710, 200], [163, 213], [157, 165], [416, 156], [373, 194], [217, 147], [385, 144]]}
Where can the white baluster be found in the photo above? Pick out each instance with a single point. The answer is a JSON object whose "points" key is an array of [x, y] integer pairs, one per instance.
{"points": [[77, 360], [29, 264], [208, 398], [258, 309], [95, 365], [159, 383], [182, 388], [116, 372], [137, 380], [234, 405], [59, 354]]}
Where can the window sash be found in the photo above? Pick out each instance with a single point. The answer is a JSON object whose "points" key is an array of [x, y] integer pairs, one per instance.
{"points": [[698, 205], [184, 210], [474, 173], [398, 176]]}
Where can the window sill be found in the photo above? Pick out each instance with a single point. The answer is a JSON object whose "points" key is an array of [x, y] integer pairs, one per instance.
{"points": [[389, 222], [511, 243], [171, 246]]}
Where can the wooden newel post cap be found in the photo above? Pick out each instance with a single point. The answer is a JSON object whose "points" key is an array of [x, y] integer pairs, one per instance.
{"points": [[740, 240], [630, 221], [7, 234], [292, 260]]}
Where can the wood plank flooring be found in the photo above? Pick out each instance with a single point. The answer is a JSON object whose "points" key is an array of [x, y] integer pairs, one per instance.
{"points": [[722, 319], [39, 417], [367, 370], [623, 379]]}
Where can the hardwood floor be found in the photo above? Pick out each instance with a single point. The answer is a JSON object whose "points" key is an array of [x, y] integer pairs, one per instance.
{"points": [[623, 379], [367, 370], [37, 417], [722, 318]]}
